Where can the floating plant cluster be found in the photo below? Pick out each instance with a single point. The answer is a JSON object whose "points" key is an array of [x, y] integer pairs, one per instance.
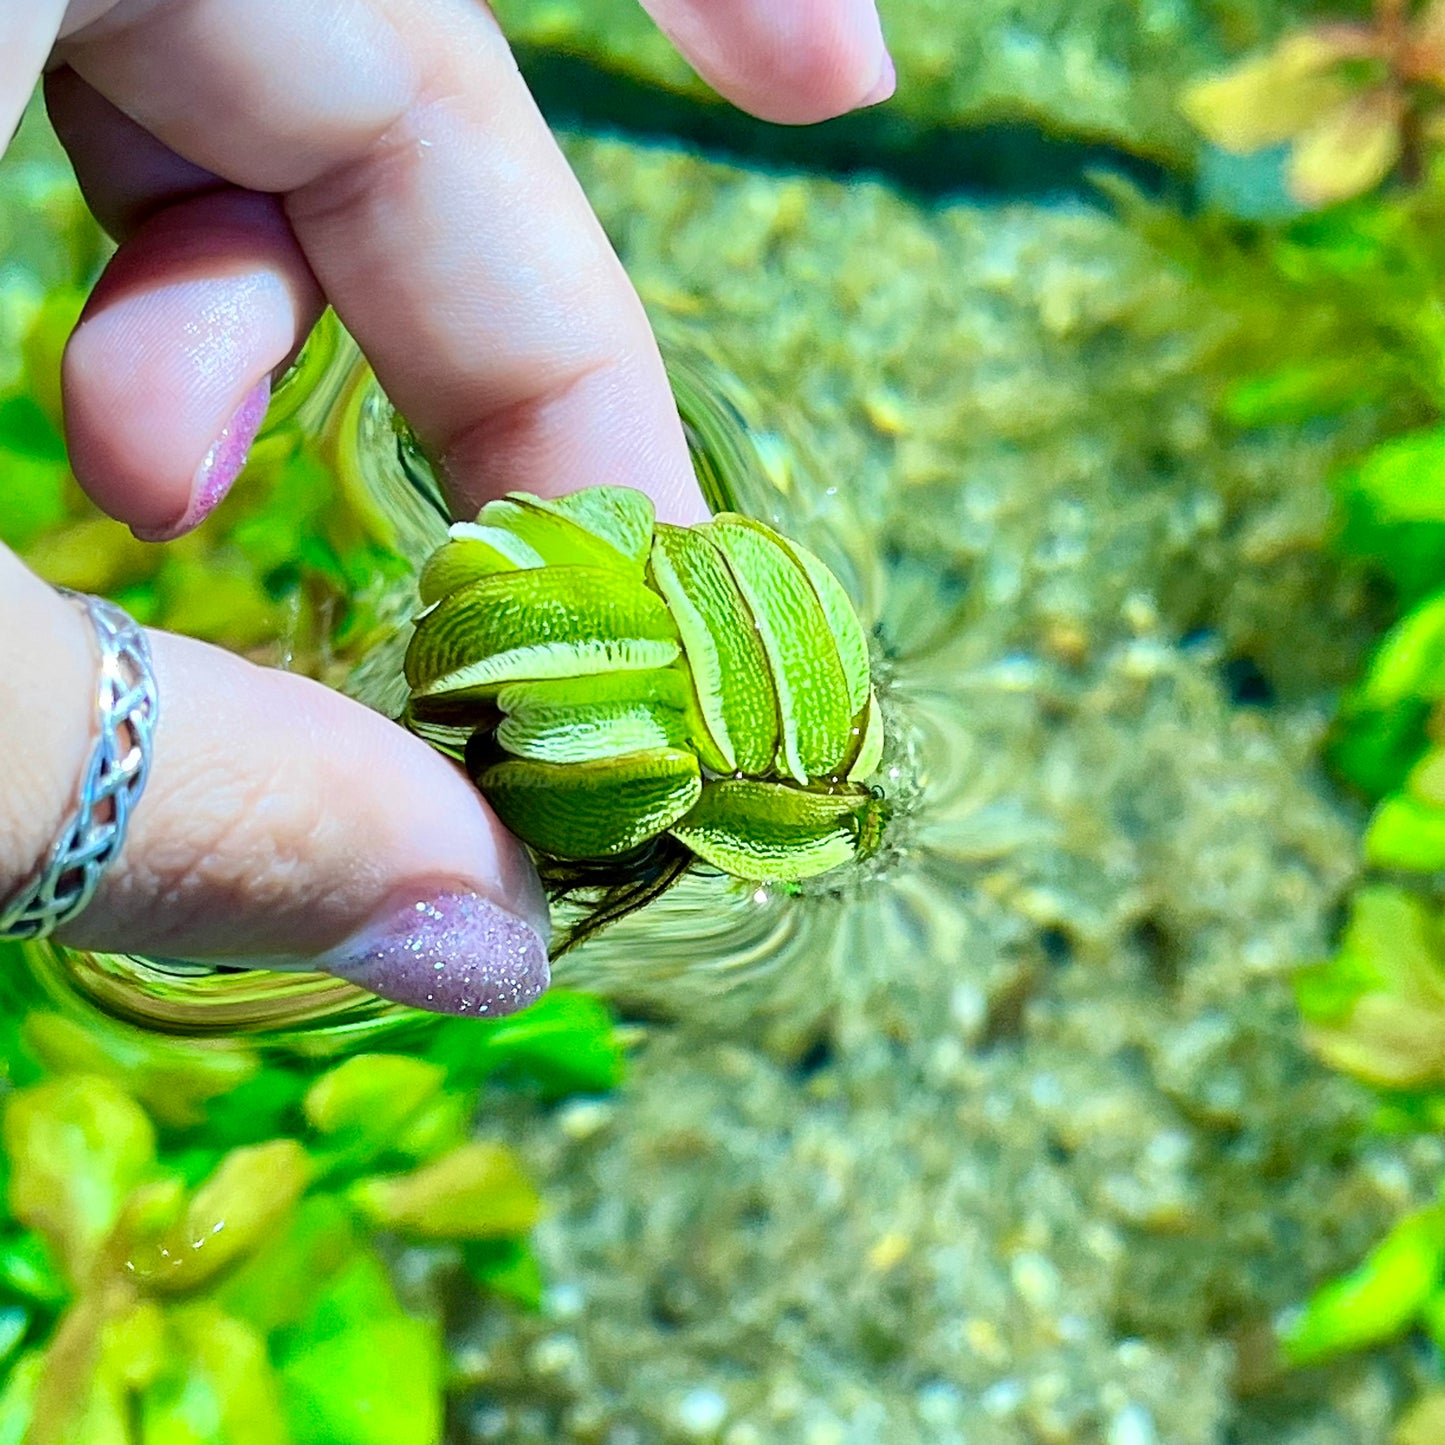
{"points": [[623, 689]]}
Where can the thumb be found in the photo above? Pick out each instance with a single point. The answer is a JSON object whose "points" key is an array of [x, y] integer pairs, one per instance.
{"points": [[283, 825]]}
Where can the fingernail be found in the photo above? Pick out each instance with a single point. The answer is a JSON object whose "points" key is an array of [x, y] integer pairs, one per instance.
{"points": [[220, 467], [454, 953], [886, 84]]}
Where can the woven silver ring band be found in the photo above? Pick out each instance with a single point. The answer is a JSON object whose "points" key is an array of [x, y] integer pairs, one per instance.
{"points": [[126, 707]]}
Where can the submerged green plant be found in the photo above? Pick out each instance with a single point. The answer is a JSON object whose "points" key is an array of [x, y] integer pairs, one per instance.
{"points": [[193, 1237], [629, 692]]}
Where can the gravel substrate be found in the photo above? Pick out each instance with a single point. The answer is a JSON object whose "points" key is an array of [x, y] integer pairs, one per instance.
{"points": [[1016, 1142]]}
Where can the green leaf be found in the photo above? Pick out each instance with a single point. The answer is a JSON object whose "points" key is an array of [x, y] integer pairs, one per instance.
{"points": [[473, 552], [1269, 98], [1374, 750], [842, 621], [477, 1191], [565, 1042], [242, 1206], [621, 516], [29, 1268], [27, 431], [592, 810], [1404, 478], [17, 1399], [870, 739], [578, 732], [371, 1095], [560, 540], [278, 1286], [217, 1386], [772, 831], [1296, 393], [14, 1326], [174, 1080], [735, 696], [802, 652], [1375, 1301], [551, 622], [506, 1267], [1410, 662], [1406, 833], [359, 1370], [1377, 1009], [78, 1145]]}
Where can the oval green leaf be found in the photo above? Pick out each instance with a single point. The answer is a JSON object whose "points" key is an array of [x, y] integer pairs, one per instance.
{"points": [[807, 670], [843, 620], [585, 732], [869, 743], [473, 552], [557, 538], [592, 810], [731, 676], [772, 831], [622, 516], [548, 622]]}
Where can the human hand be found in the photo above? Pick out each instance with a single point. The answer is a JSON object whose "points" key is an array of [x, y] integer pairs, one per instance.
{"points": [[257, 159]]}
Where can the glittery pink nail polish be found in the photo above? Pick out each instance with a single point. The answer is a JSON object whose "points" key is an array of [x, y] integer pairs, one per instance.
{"points": [[455, 953], [219, 467]]}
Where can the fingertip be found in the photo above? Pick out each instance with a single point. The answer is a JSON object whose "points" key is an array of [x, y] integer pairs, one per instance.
{"points": [[165, 378], [792, 62]]}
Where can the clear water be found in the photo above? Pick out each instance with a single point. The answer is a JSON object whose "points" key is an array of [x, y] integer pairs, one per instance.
{"points": [[1010, 1136]]}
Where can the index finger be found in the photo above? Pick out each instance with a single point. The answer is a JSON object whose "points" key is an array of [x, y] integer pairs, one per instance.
{"points": [[438, 214]]}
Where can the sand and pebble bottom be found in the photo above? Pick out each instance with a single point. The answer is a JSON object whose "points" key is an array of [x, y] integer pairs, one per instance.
{"points": [[1016, 1144]]}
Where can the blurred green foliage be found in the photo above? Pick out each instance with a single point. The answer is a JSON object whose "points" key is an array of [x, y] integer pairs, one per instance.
{"points": [[1335, 321], [194, 1237]]}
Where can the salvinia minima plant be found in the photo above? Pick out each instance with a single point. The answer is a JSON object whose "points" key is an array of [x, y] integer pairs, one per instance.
{"points": [[633, 697]]}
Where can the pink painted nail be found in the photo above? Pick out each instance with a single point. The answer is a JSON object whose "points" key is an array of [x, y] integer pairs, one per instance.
{"points": [[455, 953], [220, 466], [886, 84]]}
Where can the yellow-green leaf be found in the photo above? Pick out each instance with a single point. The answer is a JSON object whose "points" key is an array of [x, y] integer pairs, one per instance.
{"points": [[870, 737], [477, 1191], [242, 1206], [1406, 832], [730, 671], [371, 1094], [772, 831], [557, 538], [548, 622], [621, 516], [1378, 1299], [1410, 662], [843, 620], [1377, 1009], [1349, 150], [473, 552], [217, 1388], [593, 810], [807, 670], [1271, 98], [77, 1146], [586, 732]]}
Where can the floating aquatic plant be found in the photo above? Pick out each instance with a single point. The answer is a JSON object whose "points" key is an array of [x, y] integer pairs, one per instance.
{"points": [[632, 696]]}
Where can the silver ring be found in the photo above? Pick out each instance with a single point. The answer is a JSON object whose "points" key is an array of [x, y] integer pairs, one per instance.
{"points": [[127, 707]]}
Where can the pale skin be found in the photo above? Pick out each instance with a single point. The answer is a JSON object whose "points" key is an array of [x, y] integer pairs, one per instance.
{"points": [[257, 159]]}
